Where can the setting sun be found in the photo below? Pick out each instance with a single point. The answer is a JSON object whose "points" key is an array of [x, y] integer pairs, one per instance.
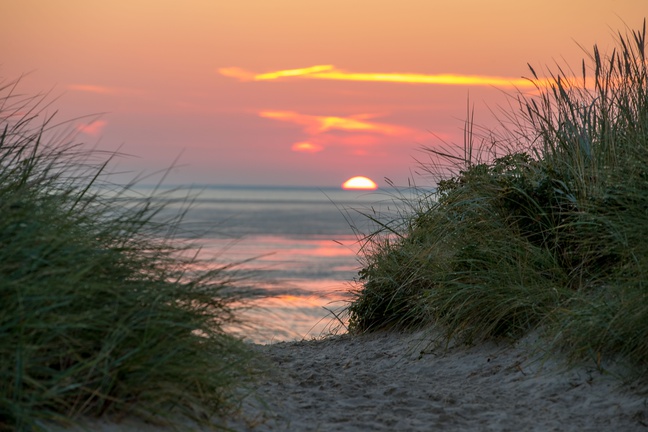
{"points": [[359, 182]]}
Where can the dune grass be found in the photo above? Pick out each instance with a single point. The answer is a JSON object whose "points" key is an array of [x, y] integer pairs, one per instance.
{"points": [[543, 225], [101, 312]]}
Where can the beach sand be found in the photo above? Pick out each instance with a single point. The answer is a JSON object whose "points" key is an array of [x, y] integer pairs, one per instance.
{"points": [[399, 382], [396, 382]]}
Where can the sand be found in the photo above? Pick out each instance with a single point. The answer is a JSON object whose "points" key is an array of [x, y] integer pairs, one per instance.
{"points": [[391, 382], [396, 382]]}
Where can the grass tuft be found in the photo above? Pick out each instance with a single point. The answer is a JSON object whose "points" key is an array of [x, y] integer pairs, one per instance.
{"points": [[101, 311], [543, 225]]}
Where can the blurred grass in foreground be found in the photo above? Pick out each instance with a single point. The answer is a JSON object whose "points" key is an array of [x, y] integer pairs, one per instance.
{"points": [[100, 311], [543, 225]]}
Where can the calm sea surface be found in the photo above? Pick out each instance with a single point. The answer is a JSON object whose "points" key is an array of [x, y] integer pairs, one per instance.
{"points": [[298, 243]]}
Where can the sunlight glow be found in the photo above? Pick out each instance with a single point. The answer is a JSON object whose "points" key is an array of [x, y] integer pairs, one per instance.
{"points": [[329, 72], [359, 182]]}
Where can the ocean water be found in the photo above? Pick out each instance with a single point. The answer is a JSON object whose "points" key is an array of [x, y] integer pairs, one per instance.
{"points": [[298, 245]]}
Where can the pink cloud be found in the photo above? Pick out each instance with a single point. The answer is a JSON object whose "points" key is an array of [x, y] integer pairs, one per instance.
{"points": [[316, 124], [355, 133], [93, 128]]}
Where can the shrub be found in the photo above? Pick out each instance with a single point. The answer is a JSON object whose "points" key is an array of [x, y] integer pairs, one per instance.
{"points": [[551, 233]]}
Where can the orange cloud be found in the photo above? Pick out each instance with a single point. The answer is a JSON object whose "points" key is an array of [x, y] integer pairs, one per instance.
{"points": [[318, 124], [238, 73], [306, 147], [94, 128], [313, 70], [329, 72]]}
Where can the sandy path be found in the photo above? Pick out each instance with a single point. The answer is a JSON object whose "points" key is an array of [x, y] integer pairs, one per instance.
{"points": [[392, 382], [384, 382]]}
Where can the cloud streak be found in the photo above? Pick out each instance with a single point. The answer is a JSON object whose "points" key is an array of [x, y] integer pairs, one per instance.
{"points": [[359, 132], [318, 124], [330, 72], [104, 90]]}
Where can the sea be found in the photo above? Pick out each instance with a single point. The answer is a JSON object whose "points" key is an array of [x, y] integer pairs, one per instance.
{"points": [[296, 246]]}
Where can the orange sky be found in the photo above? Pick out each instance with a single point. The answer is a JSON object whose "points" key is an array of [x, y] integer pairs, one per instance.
{"points": [[289, 92]]}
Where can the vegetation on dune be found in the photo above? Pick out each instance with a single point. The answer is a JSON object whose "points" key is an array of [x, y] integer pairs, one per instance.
{"points": [[552, 232], [100, 311]]}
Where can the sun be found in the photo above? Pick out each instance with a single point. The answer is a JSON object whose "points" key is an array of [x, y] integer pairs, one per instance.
{"points": [[360, 182]]}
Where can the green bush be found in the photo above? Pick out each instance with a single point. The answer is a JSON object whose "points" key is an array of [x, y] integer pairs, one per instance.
{"points": [[553, 233], [101, 312]]}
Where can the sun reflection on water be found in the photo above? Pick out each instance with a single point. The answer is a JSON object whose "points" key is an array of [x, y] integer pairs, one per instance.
{"points": [[303, 284]]}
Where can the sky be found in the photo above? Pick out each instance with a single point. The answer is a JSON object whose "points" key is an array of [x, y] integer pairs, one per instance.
{"points": [[290, 92]]}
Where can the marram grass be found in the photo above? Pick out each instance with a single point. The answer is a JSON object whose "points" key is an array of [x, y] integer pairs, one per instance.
{"points": [[101, 313], [545, 225]]}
